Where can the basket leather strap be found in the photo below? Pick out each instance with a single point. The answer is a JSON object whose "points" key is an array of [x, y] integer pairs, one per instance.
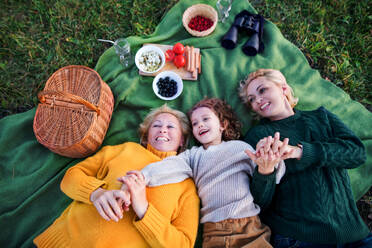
{"points": [[70, 96]]}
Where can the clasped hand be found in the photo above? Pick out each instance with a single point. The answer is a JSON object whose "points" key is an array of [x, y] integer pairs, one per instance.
{"points": [[269, 152], [134, 183], [111, 204]]}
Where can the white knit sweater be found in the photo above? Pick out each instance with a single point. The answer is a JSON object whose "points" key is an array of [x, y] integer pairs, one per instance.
{"points": [[221, 173]]}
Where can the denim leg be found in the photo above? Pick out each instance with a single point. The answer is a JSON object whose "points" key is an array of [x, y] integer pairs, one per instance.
{"points": [[364, 243], [283, 242], [286, 242]]}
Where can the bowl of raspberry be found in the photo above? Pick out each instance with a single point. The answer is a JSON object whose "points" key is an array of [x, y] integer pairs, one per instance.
{"points": [[200, 20], [167, 85]]}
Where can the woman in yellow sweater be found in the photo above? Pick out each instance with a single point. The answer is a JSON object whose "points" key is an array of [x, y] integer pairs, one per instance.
{"points": [[96, 218]]}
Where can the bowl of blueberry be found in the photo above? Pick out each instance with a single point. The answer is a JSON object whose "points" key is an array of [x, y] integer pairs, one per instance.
{"points": [[167, 85]]}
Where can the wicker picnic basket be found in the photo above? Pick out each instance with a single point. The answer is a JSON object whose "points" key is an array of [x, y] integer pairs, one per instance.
{"points": [[74, 112]]}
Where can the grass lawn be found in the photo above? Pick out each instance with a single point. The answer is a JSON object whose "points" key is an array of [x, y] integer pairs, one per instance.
{"points": [[39, 37]]}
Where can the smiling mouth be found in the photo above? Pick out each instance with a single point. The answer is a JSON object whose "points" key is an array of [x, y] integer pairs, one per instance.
{"points": [[264, 106], [161, 139], [203, 132]]}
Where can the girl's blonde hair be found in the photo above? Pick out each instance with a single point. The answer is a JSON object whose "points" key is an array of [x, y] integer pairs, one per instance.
{"points": [[272, 75], [225, 114], [181, 117]]}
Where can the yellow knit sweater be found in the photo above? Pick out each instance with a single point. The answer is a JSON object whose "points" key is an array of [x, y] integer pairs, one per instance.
{"points": [[170, 221]]}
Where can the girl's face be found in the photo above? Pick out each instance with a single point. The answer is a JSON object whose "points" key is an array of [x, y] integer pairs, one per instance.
{"points": [[165, 133], [206, 127], [268, 99]]}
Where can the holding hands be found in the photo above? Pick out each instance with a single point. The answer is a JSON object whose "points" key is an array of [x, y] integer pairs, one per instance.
{"points": [[134, 183], [270, 151], [111, 204]]}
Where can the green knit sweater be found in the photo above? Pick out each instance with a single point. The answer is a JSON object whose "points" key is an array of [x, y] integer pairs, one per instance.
{"points": [[314, 201]]}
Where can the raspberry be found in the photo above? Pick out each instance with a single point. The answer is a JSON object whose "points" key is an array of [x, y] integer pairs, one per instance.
{"points": [[200, 23]]}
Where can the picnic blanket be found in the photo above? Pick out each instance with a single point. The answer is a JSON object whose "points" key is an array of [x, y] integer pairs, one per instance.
{"points": [[30, 174]]}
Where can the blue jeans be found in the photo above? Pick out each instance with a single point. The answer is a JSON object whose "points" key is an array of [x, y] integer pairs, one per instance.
{"points": [[286, 242]]}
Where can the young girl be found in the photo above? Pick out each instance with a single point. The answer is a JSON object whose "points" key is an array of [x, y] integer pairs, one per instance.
{"points": [[313, 205], [221, 170]]}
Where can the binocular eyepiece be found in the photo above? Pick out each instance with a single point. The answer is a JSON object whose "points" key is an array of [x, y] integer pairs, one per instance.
{"points": [[251, 24]]}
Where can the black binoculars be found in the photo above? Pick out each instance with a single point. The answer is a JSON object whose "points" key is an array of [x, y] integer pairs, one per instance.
{"points": [[250, 23]]}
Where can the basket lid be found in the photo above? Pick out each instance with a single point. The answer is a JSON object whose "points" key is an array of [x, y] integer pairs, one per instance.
{"points": [[59, 121], [78, 80]]}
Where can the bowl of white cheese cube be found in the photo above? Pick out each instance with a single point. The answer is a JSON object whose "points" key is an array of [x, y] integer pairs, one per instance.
{"points": [[150, 59]]}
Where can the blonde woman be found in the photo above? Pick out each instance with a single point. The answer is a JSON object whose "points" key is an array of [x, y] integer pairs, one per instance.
{"points": [[313, 205], [96, 218]]}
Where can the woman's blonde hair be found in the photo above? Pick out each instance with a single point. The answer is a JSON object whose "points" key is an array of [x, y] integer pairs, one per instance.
{"points": [[272, 75], [181, 117]]}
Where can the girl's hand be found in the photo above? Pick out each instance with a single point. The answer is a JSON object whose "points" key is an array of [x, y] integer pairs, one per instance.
{"points": [[109, 203], [286, 151], [264, 142], [270, 151], [124, 188], [267, 161], [135, 173], [137, 187]]}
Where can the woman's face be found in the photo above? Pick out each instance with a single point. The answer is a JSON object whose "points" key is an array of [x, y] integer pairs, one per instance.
{"points": [[206, 127], [268, 99], [165, 133]]}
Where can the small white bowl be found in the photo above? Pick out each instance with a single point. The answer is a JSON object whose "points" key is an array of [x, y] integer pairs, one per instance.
{"points": [[146, 49], [171, 75]]}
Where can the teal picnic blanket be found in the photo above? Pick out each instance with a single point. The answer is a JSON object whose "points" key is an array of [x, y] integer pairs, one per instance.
{"points": [[30, 174]]}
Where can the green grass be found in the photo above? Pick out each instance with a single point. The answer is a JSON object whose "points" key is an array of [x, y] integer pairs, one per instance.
{"points": [[39, 37], [335, 37]]}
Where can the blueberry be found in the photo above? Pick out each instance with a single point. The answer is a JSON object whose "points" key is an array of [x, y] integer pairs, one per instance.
{"points": [[167, 87]]}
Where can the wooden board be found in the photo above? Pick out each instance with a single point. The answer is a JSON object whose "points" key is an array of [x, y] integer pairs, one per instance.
{"points": [[169, 66]]}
